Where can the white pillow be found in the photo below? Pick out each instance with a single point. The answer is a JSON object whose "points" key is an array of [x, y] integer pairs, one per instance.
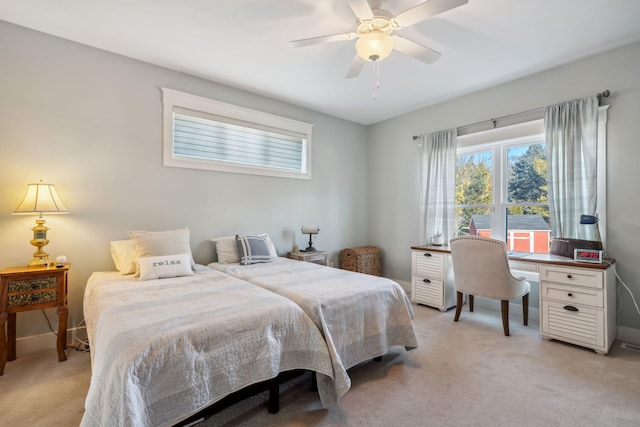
{"points": [[124, 255], [159, 267], [227, 248], [159, 243]]}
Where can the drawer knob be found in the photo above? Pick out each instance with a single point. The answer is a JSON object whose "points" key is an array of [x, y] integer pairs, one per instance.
{"points": [[570, 308], [427, 254], [426, 280], [569, 276], [570, 294]]}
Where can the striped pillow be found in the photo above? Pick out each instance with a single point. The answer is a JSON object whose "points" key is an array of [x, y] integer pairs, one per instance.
{"points": [[253, 249]]}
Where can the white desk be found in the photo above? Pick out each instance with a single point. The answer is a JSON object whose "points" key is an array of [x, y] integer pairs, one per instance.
{"points": [[577, 299]]}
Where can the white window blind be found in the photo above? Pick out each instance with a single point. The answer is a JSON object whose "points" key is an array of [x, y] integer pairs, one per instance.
{"points": [[207, 134]]}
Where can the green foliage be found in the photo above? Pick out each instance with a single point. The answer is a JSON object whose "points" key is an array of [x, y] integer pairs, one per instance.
{"points": [[527, 183], [474, 185]]}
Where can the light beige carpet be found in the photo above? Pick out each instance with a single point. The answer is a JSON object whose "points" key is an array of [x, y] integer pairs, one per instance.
{"points": [[463, 374]]}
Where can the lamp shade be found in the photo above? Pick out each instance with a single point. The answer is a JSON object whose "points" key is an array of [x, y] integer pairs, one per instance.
{"points": [[588, 219], [374, 46], [41, 198]]}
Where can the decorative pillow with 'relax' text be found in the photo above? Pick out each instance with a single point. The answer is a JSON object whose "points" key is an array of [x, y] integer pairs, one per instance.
{"points": [[160, 267]]}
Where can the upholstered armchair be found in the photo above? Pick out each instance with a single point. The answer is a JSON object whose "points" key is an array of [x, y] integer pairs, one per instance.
{"points": [[481, 268]]}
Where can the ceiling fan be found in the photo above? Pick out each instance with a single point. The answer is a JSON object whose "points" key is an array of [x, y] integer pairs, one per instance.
{"points": [[374, 32]]}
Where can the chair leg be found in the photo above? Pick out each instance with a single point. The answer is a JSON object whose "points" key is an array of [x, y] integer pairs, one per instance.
{"points": [[459, 296], [470, 302], [525, 309], [505, 316]]}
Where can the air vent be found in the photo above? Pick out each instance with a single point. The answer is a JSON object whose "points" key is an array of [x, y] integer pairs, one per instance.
{"points": [[631, 347]]}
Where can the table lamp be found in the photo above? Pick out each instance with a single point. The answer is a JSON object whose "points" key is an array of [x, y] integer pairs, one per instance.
{"points": [[592, 219], [40, 198], [310, 230]]}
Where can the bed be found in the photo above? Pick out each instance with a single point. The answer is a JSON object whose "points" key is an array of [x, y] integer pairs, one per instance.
{"points": [[163, 349], [361, 316]]}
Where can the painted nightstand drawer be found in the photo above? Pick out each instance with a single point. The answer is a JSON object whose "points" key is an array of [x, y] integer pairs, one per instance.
{"points": [[32, 298], [32, 284]]}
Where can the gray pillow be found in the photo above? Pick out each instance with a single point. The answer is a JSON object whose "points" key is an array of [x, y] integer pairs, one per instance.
{"points": [[253, 249]]}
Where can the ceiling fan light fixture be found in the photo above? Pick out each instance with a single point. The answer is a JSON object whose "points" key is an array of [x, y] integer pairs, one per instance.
{"points": [[374, 46]]}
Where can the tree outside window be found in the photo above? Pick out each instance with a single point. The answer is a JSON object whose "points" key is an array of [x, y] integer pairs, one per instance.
{"points": [[516, 187]]}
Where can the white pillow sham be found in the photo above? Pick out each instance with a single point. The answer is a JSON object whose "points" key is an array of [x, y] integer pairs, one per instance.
{"points": [[227, 248], [160, 267], [159, 243], [124, 255]]}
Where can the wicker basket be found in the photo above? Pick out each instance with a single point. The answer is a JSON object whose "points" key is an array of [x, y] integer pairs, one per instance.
{"points": [[365, 259]]}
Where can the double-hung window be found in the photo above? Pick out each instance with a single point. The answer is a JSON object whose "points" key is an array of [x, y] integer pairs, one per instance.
{"points": [[501, 185], [501, 190], [202, 133]]}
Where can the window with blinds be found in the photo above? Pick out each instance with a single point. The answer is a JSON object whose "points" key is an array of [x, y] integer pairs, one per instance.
{"points": [[206, 134]]}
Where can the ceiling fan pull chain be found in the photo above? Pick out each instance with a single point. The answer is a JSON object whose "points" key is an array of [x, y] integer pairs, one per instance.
{"points": [[376, 78]]}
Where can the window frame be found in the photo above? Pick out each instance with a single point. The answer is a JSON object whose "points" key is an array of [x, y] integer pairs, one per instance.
{"points": [[181, 103], [499, 171], [523, 134]]}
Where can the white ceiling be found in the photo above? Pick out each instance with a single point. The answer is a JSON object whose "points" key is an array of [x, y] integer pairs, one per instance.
{"points": [[244, 43]]}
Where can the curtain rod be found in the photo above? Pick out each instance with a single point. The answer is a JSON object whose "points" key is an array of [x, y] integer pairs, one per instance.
{"points": [[603, 94]]}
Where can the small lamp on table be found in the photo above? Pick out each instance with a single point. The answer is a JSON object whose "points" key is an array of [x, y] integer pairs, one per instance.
{"points": [[310, 230], [40, 198]]}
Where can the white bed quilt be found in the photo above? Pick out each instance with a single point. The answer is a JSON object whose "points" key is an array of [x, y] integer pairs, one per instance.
{"points": [[361, 316], [164, 349]]}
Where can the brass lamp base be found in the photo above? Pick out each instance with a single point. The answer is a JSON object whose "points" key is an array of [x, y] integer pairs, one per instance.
{"points": [[40, 257]]}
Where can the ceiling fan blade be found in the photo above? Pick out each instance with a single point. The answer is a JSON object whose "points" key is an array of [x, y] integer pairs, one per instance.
{"points": [[426, 10], [411, 48], [355, 68], [361, 8], [323, 39]]}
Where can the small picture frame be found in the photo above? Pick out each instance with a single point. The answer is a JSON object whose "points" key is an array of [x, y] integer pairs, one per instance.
{"points": [[587, 255]]}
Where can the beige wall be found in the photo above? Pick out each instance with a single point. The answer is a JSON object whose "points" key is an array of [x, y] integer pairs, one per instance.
{"points": [[90, 122], [394, 162]]}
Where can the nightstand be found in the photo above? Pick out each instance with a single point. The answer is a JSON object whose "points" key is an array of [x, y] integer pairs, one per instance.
{"points": [[317, 257], [24, 289]]}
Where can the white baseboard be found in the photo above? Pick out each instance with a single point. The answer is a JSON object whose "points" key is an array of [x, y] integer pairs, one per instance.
{"points": [[405, 285], [629, 335], [39, 342]]}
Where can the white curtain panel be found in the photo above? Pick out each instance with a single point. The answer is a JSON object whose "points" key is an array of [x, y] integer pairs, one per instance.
{"points": [[438, 185], [571, 134]]}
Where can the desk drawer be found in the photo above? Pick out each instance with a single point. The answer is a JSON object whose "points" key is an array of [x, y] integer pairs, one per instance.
{"points": [[429, 293], [429, 264], [587, 277], [584, 326], [572, 294]]}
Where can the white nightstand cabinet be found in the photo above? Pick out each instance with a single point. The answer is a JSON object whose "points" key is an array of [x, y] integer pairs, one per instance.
{"points": [[432, 279], [578, 305]]}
